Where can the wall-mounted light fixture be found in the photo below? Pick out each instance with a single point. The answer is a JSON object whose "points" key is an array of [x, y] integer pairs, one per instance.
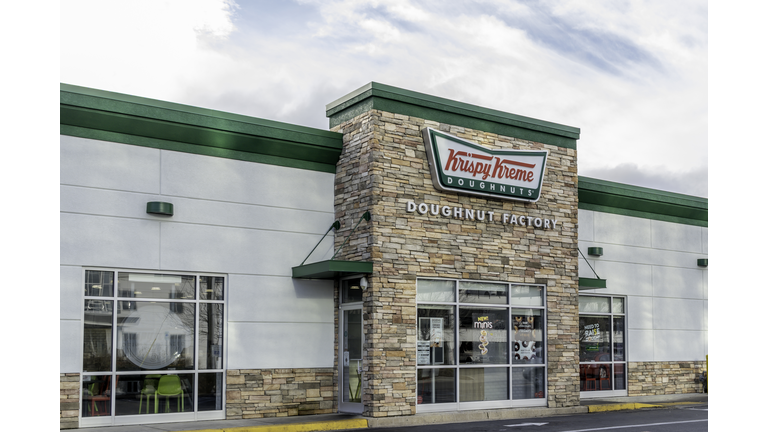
{"points": [[363, 283], [595, 251], [160, 208], [702, 262]]}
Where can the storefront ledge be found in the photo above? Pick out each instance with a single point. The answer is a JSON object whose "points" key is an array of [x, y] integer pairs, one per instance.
{"points": [[619, 407], [472, 416], [331, 269]]}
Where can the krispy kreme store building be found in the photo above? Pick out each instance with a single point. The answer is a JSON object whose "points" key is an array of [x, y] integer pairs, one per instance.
{"points": [[423, 255]]}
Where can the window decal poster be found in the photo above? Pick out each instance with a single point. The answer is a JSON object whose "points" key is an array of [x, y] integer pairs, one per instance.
{"points": [[525, 340]]}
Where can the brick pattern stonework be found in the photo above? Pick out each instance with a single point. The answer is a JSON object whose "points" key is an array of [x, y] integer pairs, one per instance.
{"points": [[383, 166], [663, 378], [259, 393], [69, 400]]}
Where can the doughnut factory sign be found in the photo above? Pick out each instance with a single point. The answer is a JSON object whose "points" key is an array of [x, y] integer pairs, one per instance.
{"points": [[458, 165], [480, 215]]}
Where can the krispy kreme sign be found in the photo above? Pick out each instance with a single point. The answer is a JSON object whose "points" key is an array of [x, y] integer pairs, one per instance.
{"points": [[458, 165]]}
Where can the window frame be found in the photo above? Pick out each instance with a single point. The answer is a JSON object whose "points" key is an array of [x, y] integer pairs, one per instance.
{"points": [[510, 366], [611, 315], [115, 299]]}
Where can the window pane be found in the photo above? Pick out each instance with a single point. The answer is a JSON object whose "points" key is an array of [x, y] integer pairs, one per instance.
{"points": [[96, 399], [481, 292], [97, 336], [522, 295], [155, 286], [594, 304], [618, 305], [209, 390], [618, 339], [436, 335], [483, 335], [619, 381], [594, 338], [154, 394], [483, 384], [528, 383], [155, 335], [211, 336], [351, 291], [595, 377], [99, 283], [428, 290], [436, 386], [528, 336], [211, 288]]}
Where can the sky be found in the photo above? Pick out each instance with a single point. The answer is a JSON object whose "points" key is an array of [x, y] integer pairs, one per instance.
{"points": [[631, 75]]}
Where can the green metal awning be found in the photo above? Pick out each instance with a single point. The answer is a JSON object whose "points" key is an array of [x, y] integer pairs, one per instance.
{"points": [[332, 269], [590, 283]]}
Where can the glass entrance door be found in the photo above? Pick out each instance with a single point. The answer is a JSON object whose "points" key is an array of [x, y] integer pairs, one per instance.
{"points": [[351, 359]]}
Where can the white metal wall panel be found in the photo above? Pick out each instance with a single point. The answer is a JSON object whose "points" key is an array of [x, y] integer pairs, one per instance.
{"points": [[70, 346], [241, 219], [188, 175], [109, 241], [234, 250], [280, 345], [623, 230], [280, 299], [675, 236], [106, 165], [654, 264], [678, 282]]}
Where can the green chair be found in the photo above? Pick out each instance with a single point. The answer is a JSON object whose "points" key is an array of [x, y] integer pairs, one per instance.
{"points": [[169, 385], [148, 389]]}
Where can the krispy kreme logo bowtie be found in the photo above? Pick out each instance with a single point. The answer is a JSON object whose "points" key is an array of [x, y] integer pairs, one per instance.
{"points": [[459, 165]]}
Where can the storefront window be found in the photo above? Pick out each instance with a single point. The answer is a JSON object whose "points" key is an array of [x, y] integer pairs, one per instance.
{"points": [[480, 341], [160, 323], [602, 343]]}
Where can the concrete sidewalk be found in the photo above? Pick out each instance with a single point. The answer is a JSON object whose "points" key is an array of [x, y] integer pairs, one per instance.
{"points": [[337, 422]]}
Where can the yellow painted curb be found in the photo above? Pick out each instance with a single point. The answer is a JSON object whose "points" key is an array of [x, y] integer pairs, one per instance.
{"points": [[297, 427], [618, 407]]}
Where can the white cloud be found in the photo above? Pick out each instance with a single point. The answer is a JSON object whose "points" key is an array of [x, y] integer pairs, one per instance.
{"points": [[631, 75]]}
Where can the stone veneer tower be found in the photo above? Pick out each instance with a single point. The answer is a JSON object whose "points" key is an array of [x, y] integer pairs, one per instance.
{"points": [[383, 166]]}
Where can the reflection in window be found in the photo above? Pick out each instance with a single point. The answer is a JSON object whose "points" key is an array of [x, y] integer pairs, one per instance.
{"points": [[97, 336], [159, 338], [156, 324]]}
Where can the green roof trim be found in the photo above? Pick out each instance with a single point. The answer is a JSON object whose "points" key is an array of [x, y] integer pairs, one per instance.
{"points": [[331, 269], [98, 114], [399, 101], [610, 197]]}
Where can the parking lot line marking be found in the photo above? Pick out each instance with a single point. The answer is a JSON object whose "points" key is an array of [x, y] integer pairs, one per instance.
{"points": [[632, 426]]}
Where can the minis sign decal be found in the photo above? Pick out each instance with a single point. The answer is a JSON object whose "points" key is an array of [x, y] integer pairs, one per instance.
{"points": [[458, 165]]}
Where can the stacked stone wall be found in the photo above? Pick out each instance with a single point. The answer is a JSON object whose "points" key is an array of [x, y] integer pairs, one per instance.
{"points": [[664, 378], [69, 400], [259, 393], [384, 166]]}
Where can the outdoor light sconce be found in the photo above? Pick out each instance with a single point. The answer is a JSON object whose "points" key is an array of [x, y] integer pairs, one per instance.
{"points": [[595, 251], [702, 262], [160, 208]]}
